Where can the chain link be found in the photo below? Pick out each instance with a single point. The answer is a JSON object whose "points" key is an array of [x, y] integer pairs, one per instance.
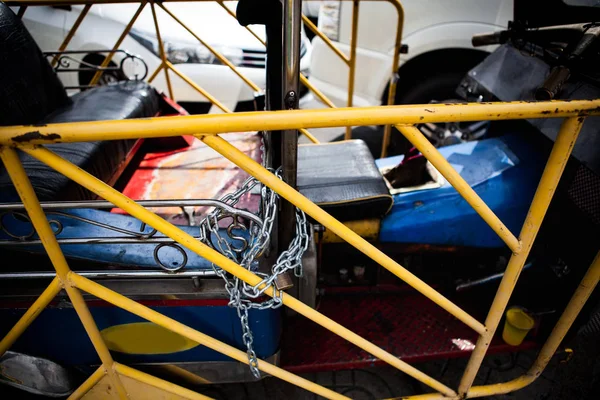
{"points": [[242, 296]]}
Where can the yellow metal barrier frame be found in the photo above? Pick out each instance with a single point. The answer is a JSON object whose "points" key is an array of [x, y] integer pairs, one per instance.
{"points": [[31, 139], [165, 65]]}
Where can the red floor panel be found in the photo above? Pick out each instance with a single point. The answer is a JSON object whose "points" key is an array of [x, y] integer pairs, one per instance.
{"points": [[407, 325]]}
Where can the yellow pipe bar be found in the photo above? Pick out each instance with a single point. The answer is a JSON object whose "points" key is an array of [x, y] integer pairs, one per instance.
{"points": [[580, 297], [194, 335], [316, 91], [352, 62], [189, 242], [328, 42], [107, 59], [387, 131], [161, 49], [309, 135], [453, 177], [30, 315], [72, 32], [559, 156], [184, 374], [46, 234], [159, 383], [218, 55], [155, 73], [253, 168], [193, 84], [88, 384], [289, 120]]}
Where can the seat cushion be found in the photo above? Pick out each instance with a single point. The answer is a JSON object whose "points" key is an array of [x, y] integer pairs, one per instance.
{"points": [[103, 159], [343, 179], [29, 87]]}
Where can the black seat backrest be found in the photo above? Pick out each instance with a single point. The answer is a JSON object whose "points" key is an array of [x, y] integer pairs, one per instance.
{"points": [[29, 88]]}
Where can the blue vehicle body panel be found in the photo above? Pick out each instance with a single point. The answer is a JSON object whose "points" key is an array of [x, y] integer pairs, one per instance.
{"points": [[504, 172], [57, 333]]}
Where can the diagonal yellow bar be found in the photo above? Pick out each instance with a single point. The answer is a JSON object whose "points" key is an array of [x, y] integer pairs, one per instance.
{"points": [[107, 59], [218, 55], [118, 199], [290, 119], [161, 48], [88, 384], [148, 379], [541, 201], [198, 337], [44, 230], [308, 23], [294, 197], [72, 31], [453, 177], [31, 314]]}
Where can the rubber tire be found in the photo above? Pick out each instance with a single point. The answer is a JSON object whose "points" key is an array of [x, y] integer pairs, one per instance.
{"points": [[85, 77]]}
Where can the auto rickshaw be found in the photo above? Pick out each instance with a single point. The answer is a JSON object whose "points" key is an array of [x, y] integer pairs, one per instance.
{"points": [[117, 265]]}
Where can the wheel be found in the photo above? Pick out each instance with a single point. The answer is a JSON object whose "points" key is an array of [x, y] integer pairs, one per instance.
{"points": [[426, 79], [85, 77]]}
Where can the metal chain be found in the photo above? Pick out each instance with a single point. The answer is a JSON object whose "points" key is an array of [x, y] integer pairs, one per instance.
{"points": [[242, 296]]}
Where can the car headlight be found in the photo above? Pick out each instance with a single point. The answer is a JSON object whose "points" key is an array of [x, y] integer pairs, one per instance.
{"points": [[329, 19], [187, 53]]}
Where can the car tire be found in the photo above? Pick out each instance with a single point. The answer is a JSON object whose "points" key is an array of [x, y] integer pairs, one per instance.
{"points": [[85, 77]]}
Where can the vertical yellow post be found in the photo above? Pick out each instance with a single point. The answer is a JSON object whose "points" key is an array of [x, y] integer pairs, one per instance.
{"points": [[554, 168], [387, 132], [161, 48], [72, 32], [106, 61], [352, 62], [44, 230], [30, 315]]}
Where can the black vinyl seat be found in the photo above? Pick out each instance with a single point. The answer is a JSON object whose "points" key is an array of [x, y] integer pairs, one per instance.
{"points": [[342, 178], [31, 93]]}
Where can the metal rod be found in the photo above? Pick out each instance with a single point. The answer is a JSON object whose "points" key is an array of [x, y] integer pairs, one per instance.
{"points": [[316, 91], [102, 204], [31, 314], [581, 295], [156, 72], [88, 384], [159, 383], [293, 119], [110, 274], [541, 201], [352, 62], [38, 219], [102, 189], [218, 55], [462, 187], [194, 85], [487, 279], [292, 13], [161, 50], [309, 24], [72, 31], [387, 131], [232, 13], [124, 34], [192, 334]]}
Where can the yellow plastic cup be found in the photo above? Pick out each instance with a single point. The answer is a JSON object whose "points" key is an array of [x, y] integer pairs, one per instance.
{"points": [[516, 326]]}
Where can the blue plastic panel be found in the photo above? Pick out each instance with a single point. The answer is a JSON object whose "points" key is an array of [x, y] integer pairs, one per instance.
{"points": [[503, 171], [57, 333]]}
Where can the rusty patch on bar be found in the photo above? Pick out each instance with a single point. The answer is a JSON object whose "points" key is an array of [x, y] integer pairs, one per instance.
{"points": [[35, 135]]}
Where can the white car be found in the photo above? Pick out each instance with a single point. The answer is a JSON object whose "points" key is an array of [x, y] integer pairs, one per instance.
{"points": [[438, 34], [105, 23]]}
